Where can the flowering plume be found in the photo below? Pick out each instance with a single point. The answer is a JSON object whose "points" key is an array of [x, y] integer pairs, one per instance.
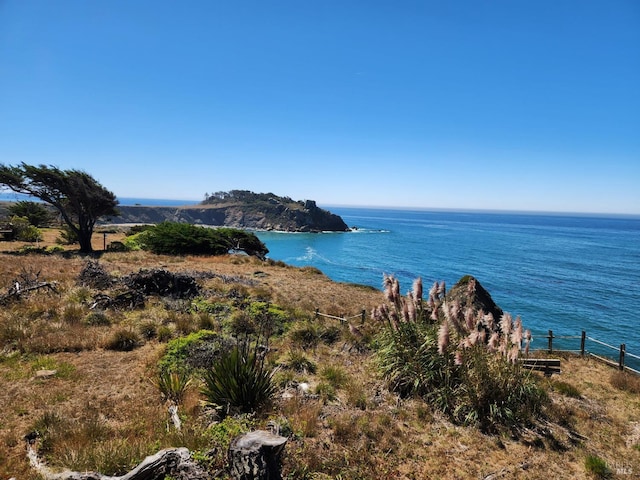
{"points": [[527, 339], [516, 335], [417, 290], [443, 337]]}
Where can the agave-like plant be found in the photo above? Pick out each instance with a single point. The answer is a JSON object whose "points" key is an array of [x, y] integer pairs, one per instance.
{"points": [[172, 385], [238, 382]]}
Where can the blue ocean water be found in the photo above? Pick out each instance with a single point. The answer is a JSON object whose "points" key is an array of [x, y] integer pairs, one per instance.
{"points": [[149, 202], [566, 273]]}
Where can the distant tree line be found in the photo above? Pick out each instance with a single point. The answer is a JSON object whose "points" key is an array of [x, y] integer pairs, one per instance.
{"points": [[244, 196]]}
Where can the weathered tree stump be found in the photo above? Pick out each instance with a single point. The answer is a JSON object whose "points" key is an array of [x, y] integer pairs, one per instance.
{"points": [[256, 456]]}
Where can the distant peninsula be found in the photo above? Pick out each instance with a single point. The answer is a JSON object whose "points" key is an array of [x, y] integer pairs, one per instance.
{"points": [[239, 209]]}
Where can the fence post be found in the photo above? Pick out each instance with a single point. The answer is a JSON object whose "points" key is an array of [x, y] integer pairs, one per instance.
{"points": [[364, 313], [623, 348], [583, 341], [550, 337], [317, 313]]}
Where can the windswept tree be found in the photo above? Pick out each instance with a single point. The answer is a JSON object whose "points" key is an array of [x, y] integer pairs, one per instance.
{"points": [[75, 194]]}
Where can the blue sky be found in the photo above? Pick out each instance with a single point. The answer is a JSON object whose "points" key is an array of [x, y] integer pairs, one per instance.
{"points": [[514, 105]]}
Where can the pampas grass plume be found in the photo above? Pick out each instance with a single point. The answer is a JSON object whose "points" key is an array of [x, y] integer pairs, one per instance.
{"points": [[494, 341], [417, 289], [516, 335], [443, 337]]}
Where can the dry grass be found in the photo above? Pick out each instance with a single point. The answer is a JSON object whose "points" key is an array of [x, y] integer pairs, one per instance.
{"points": [[106, 401]]}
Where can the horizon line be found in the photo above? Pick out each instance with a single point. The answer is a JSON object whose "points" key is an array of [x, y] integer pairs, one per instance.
{"points": [[396, 207]]}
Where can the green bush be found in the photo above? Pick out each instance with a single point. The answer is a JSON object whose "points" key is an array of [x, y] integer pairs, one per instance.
{"points": [[597, 467], [51, 249], [172, 385], [238, 382], [195, 351], [29, 234], [172, 238]]}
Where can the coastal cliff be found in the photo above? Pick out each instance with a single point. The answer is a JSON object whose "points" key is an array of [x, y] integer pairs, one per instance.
{"points": [[240, 209]]}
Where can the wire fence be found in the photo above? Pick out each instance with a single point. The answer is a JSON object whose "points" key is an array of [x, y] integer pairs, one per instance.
{"points": [[343, 318], [586, 346], [583, 345]]}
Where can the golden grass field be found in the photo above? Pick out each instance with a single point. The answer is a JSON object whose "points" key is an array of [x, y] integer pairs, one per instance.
{"points": [[110, 407]]}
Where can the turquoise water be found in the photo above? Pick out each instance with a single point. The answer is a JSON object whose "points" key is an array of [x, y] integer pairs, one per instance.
{"points": [[566, 273]]}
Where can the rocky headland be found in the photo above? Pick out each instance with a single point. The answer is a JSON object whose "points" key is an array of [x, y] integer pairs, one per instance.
{"points": [[239, 209]]}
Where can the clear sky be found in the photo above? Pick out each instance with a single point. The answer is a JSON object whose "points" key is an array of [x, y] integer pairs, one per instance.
{"points": [[483, 104]]}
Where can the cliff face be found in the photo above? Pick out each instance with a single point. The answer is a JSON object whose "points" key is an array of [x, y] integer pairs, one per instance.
{"points": [[294, 217]]}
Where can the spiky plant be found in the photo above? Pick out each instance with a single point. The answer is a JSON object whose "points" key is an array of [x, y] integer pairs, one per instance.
{"points": [[172, 385], [238, 382]]}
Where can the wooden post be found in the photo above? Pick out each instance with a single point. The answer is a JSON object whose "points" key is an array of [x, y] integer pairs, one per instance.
{"points": [[317, 313], [623, 348], [104, 241], [364, 313], [550, 341], [583, 342]]}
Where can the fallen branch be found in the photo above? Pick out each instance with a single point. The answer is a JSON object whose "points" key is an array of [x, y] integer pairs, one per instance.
{"points": [[17, 290], [174, 462]]}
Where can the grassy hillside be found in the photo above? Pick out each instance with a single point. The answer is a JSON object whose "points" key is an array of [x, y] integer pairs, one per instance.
{"points": [[101, 409]]}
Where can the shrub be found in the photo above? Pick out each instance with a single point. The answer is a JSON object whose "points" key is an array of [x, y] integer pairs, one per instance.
{"points": [[29, 234], [98, 318], [597, 467], [197, 350], [73, 314], [164, 333], [52, 249], [326, 392], [123, 340], [117, 246], [172, 385], [238, 382], [298, 361], [330, 334], [334, 375], [172, 238], [458, 359], [148, 330], [305, 336]]}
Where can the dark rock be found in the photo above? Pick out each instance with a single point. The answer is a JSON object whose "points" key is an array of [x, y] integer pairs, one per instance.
{"points": [[469, 292]]}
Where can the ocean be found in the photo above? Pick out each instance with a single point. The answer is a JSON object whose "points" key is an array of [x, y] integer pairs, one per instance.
{"points": [[560, 272]]}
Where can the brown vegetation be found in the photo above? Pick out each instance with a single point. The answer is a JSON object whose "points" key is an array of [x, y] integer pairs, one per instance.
{"points": [[102, 408]]}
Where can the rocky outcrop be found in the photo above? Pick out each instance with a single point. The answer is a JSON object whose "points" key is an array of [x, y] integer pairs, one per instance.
{"points": [[468, 292], [292, 217]]}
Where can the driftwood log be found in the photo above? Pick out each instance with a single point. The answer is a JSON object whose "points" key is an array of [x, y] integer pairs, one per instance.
{"points": [[17, 290], [256, 456], [174, 462]]}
